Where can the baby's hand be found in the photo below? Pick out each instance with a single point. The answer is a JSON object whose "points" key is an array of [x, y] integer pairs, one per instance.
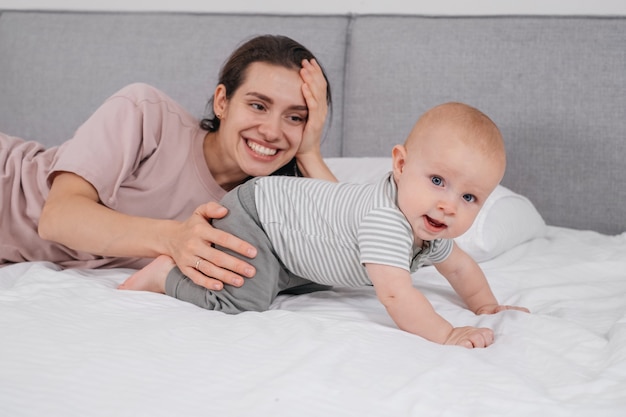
{"points": [[470, 337], [496, 308]]}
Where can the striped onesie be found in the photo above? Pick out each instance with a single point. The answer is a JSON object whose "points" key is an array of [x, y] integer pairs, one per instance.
{"points": [[308, 230]]}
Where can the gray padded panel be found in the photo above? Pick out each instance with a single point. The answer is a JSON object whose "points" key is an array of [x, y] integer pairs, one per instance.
{"points": [[555, 86], [56, 68]]}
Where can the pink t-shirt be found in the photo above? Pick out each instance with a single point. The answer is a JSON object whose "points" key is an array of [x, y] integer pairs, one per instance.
{"points": [[141, 151]]}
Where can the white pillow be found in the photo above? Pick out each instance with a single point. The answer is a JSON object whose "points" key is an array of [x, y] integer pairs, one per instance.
{"points": [[359, 170], [507, 219]]}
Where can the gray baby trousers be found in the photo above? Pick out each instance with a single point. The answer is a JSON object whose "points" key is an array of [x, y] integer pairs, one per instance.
{"points": [[271, 277]]}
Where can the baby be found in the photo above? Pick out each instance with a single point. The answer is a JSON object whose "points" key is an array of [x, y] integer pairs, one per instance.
{"points": [[310, 232]]}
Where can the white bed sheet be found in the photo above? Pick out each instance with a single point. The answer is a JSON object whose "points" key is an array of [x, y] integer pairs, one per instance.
{"points": [[73, 345]]}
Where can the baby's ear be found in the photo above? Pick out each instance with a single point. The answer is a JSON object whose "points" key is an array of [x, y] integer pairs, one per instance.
{"points": [[398, 155]]}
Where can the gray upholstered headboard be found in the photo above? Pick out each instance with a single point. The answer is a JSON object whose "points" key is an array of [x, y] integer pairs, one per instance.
{"points": [[56, 68], [555, 85]]}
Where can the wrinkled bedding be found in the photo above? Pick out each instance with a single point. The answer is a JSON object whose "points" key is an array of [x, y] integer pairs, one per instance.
{"points": [[73, 345]]}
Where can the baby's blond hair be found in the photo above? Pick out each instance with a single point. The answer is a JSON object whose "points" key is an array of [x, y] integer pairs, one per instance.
{"points": [[478, 130]]}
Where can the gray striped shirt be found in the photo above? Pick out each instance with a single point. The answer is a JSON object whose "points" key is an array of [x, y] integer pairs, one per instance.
{"points": [[326, 231]]}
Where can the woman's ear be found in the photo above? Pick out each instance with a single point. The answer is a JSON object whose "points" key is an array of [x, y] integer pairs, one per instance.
{"points": [[219, 101], [398, 157]]}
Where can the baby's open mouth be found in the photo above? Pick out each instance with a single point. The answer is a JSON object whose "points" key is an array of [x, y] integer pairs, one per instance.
{"points": [[434, 223]]}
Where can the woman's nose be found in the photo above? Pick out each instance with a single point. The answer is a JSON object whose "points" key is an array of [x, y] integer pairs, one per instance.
{"points": [[270, 128]]}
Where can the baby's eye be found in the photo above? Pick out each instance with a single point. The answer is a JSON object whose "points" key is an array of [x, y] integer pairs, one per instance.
{"points": [[469, 198], [438, 181]]}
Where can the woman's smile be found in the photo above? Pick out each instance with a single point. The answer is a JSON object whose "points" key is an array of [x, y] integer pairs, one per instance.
{"points": [[261, 150]]}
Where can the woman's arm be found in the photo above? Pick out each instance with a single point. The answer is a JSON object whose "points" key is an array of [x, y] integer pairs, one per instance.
{"points": [[73, 216], [309, 155]]}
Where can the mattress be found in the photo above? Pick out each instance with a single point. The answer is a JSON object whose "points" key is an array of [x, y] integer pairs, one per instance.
{"points": [[73, 345]]}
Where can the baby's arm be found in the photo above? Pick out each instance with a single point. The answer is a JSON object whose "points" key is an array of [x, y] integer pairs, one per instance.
{"points": [[470, 283], [412, 312]]}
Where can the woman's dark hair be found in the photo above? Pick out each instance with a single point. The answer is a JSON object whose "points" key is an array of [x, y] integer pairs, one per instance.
{"points": [[271, 49]]}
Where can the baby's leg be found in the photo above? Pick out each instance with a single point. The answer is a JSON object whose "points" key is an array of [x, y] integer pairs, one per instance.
{"points": [[151, 277], [257, 293]]}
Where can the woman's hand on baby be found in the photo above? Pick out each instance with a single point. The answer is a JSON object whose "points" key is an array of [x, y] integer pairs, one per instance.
{"points": [[194, 252], [470, 337]]}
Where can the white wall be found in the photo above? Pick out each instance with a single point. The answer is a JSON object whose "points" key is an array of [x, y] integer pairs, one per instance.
{"points": [[430, 7]]}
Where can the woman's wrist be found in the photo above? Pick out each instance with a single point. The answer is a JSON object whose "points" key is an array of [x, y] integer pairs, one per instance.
{"points": [[165, 240], [312, 165]]}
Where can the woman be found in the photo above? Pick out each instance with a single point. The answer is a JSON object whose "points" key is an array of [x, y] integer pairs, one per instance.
{"points": [[134, 181]]}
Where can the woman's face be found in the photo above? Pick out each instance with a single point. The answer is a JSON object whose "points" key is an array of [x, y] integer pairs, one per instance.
{"points": [[262, 124]]}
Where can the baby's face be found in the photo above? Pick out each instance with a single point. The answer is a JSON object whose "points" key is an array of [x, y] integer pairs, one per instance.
{"points": [[442, 184]]}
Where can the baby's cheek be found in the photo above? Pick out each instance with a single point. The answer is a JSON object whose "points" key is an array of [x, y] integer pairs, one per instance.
{"points": [[463, 223]]}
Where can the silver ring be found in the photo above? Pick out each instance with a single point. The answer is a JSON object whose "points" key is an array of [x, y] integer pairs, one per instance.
{"points": [[198, 263]]}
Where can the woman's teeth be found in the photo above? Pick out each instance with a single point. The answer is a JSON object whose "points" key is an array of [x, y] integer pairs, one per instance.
{"points": [[260, 149]]}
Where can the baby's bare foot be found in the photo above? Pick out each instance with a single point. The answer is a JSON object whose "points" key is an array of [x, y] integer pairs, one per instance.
{"points": [[151, 277]]}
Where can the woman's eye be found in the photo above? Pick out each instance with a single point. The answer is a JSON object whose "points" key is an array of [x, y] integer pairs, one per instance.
{"points": [[297, 118], [437, 181], [257, 106], [469, 198]]}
